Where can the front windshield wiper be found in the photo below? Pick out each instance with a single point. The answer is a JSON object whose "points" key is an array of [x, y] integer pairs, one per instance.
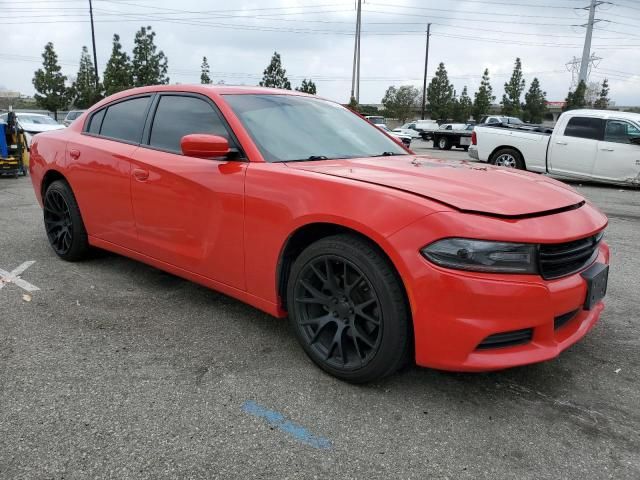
{"points": [[317, 157]]}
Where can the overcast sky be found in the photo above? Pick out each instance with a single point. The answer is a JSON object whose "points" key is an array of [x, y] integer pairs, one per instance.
{"points": [[315, 40]]}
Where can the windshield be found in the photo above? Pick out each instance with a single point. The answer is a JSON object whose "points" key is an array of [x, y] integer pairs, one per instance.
{"points": [[37, 119], [289, 127], [73, 115]]}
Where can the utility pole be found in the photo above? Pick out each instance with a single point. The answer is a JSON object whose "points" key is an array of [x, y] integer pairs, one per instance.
{"points": [[93, 40], [355, 77], [424, 81], [586, 51]]}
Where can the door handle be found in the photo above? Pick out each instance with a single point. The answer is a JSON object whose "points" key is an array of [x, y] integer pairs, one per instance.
{"points": [[140, 175], [561, 143], [75, 154], [607, 149]]}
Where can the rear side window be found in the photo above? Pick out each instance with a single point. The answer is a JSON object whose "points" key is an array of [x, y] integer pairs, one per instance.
{"points": [[125, 120], [177, 116], [585, 127], [96, 122]]}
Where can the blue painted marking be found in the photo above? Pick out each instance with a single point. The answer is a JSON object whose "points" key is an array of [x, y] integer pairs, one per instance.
{"points": [[278, 421]]}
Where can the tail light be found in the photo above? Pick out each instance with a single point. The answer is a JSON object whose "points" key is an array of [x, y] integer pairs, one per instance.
{"points": [[474, 138]]}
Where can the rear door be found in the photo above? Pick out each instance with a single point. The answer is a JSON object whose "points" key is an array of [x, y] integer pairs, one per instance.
{"points": [[573, 151], [99, 168], [618, 158], [189, 212]]}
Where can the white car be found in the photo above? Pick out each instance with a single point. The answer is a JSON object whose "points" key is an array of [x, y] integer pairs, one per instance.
{"points": [[405, 139], [406, 129], [600, 145], [33, 123]]}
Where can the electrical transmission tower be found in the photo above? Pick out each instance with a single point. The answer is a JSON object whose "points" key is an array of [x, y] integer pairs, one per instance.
{"points": [[581, 68]]}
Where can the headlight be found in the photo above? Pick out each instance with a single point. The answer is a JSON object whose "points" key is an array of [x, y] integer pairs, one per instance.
{"points": [[483, 256]]}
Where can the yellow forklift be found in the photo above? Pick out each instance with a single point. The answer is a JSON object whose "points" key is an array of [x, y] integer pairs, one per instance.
{"points": [[14, 155]]}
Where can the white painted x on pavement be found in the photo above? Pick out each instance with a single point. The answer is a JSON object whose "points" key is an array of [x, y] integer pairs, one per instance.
{"points": [[14, 277]]}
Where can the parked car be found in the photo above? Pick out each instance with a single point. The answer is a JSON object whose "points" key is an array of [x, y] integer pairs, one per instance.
{"points": [[405, 139], [301, 208], [493, 119], [407, 130], [71, 116], [376, 119], [426, 128], [32, 123], [600, 145], [453, 135]]}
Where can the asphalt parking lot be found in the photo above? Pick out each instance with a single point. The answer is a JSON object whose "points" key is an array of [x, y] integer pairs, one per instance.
{"points": [[113, 369]]}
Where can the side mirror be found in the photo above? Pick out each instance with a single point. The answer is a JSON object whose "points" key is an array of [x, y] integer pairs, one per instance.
{"points": [[201, 145]]}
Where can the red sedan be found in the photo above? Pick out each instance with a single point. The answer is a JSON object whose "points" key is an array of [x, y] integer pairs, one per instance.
{"points": [[303, 209]]}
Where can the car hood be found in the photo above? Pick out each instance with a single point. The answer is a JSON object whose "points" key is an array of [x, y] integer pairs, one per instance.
{"points": [[465, 186], [38, 127]]}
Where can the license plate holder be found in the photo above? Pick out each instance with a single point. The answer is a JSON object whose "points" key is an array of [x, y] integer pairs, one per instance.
{"points": [[465, 140], [596, 276]]}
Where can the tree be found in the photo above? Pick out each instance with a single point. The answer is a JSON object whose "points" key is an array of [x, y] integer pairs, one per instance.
{"points": [[512, 91], [602, 102], [49, 82], [274, 76], [535, 103], [307, 86], [576, 99], [462, 106], [400, 102], [440, 94], [118, 75], [483, 98], [149, 64], [85, 90], [205, 79]]}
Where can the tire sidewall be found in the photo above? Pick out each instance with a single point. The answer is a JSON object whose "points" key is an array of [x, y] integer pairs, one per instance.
{"points": [[514, 153], [79, 242]]}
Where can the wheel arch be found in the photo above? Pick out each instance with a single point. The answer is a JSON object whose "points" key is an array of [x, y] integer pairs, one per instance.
{"points": [[511, 147], [48, 178], [309, 233]]}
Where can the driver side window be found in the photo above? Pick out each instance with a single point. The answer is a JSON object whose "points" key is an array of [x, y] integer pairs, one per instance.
{"points": [[619, 131]]}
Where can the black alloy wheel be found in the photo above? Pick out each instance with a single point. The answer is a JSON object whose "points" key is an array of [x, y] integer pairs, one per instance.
{"points": [[347, 307], [339, 312], [63, 222]]}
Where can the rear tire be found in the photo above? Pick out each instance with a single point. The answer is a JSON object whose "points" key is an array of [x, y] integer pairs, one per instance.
{"points": [[508, 158], [348, 309], [63, 222], [443, 143]]}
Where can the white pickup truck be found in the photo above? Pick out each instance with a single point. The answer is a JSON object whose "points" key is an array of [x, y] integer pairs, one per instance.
{"points": [[598, 145]]}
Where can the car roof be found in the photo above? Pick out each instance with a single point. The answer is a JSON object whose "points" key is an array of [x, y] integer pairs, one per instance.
{"points": [[605, 114]]}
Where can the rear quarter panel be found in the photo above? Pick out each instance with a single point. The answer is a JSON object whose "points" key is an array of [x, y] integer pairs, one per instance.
{"points": [[48, 152]]}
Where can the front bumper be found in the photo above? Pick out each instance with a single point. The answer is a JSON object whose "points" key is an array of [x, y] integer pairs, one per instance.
{"points": [[454, 312]]}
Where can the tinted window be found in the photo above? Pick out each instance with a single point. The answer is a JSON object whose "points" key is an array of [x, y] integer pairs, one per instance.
{"points": [[585, 127], [178, 116], [619, 131], [125, 120], [95, 122]]}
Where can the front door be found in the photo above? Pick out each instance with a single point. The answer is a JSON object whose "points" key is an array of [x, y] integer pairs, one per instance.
{"points": [[189, 212], [619, 153]]}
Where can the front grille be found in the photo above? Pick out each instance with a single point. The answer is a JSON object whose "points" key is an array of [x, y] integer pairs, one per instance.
{"points": [[561, 259], [561, 320], [506, 339]]}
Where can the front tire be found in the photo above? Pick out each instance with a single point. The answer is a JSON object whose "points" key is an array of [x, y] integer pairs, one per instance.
{"points": [[348, 309], [63, 222]]}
